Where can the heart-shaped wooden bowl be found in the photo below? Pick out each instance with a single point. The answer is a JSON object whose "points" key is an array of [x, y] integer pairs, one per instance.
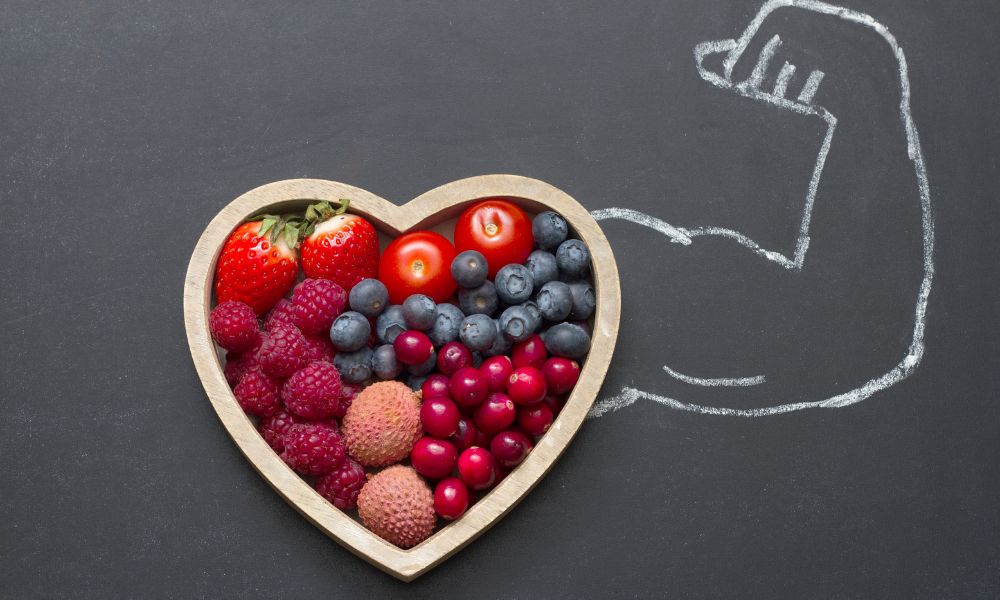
{"points": [[426, 211]]}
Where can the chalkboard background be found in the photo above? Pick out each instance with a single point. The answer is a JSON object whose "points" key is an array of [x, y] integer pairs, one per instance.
{"points": [[126, 126]]}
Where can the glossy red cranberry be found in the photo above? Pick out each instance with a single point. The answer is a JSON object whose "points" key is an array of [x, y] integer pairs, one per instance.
{"points": [[510, 447], [529, 353], [477, 468], [526, 386], [413, 347], [497, 369], [561, 374], [451, 498], [555, 403], [435, 386], [465, 434], [439, 416], [452, 357], [534, 420], [482, 439], [468, 386], [433, 458], [495, 414]]}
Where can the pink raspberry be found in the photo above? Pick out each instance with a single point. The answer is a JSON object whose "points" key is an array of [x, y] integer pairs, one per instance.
{"points": [[342, 485], [283, 351], [258, 393], [313, 448], [316, 303], [281, 313], [313, 392], [234, 325], [348, 391], [238, 363], [319, 347], [274, 429]]}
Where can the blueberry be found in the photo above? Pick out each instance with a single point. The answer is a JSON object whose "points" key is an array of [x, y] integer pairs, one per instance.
{"points": [[478, 332], [390, 324], [555, 300], [354, 367], [514, 284], [584, 300], [482, 300], [384, 362], [350, 331], [469, 269], [543, 267], [567, 339], [573, 258], [425, 367], [549, 229], [536, 314], [501, 345], [369, 297], [419, 312], [517, 323], [415, 382], [446, 323]]}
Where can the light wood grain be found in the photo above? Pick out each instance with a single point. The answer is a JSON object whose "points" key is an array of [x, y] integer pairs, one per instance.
{"points": [[425, 211]]}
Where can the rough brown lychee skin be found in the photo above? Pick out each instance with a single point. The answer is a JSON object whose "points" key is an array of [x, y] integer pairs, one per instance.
{"points": [[382, 424], [398, 506]]}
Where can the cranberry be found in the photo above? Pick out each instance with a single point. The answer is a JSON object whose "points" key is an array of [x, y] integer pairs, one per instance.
{"points": [[468, 386], [413, 347], [529, 353], [451, 498], [497, 369], [526, 386], [435, 386], [561, 374], [534, 420], [477, 468], [433, 458], [496, 414], [452, 357], [555, 403], [482, 439], [465, 434], [510, 447], [439, 416]]}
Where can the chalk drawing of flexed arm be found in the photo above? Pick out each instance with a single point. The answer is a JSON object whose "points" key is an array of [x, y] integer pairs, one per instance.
{"points": [[851, 271]]}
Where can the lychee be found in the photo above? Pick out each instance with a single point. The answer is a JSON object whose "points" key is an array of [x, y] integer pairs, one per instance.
{"points": [[398, 506], [382, 424]]}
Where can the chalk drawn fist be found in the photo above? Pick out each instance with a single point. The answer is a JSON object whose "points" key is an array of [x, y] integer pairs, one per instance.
{"points": [[822, 303]]}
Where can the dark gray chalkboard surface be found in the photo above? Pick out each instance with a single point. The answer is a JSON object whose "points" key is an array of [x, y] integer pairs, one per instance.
{"points": [[126, 126]]}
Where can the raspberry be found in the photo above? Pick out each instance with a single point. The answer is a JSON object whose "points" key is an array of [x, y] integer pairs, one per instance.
{"points": [[342, 485], [319, 347], [283, 351], [348, 392], [313, 448], [281, 313], [316, 303], [258, 393], [313, 392], [274, 428], [234, 325], [238, 363]]}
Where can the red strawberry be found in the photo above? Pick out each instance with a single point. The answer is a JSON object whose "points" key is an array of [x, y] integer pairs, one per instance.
{"points": [[258, 263], [339, 246]]}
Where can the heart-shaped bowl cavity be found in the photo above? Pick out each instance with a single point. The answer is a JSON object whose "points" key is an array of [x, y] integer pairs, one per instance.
{"points": [[428, 211]]}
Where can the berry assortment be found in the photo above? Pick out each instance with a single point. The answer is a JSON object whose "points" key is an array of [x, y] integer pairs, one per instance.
{"points": [[404, 384]]}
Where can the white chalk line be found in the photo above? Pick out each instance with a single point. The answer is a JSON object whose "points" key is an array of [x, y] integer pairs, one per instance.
{"points": [[735, 48], [784, 77], [716, 381]]}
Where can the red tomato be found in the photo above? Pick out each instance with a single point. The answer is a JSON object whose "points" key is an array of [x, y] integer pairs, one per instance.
{"points": [[498, 229], [418, 263]]}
